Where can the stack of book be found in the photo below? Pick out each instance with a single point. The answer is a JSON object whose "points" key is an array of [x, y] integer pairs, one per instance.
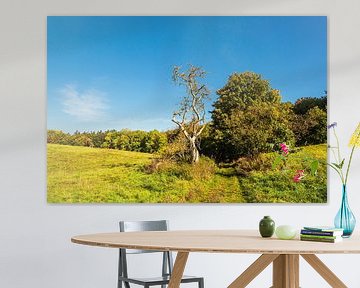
{"points": [[321, 234]]}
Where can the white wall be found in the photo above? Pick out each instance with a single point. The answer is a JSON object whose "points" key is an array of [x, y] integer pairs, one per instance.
{"points": [[35, 248]]}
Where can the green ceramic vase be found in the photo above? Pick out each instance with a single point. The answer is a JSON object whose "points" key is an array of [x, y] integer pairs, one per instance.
{"points": [[266, 227]]}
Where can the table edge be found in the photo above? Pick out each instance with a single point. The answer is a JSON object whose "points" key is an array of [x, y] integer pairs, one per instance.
{"points": [[204, 250]]}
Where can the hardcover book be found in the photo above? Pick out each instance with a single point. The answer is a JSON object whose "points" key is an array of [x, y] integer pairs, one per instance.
{"points": [[323, 228], [319, 237], [321, 233], [325, 240]]}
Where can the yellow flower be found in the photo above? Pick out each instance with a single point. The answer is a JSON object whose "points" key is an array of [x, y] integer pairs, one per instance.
{"points": [[355, 138]]}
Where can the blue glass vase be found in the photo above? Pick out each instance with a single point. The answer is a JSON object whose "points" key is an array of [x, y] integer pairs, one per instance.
{"points": [[345, 219]]}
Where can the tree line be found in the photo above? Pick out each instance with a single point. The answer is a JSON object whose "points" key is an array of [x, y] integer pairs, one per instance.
{"points": [[248, 118], [138, 141]]}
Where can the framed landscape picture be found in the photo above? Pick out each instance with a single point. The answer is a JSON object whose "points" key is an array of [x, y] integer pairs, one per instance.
{"points": [[187, 109]]}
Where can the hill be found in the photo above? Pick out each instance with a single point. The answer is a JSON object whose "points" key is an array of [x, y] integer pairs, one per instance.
{"points": [[92, 175]]}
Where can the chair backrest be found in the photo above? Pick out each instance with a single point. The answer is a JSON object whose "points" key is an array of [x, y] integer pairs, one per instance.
{"points": [[134, 226]]}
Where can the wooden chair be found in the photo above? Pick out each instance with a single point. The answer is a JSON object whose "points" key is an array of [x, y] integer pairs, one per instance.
{"points": [[167, 262]]}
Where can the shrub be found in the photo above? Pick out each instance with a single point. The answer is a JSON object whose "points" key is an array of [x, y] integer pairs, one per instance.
{"points": [[177, 150], [203, 170], [310, 128], [261, 162]]}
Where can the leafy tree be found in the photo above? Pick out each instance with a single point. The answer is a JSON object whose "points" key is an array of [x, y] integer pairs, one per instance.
{"points": [[97, 138], [311, 128], [190, 117], [123, 141], [310, 120], [303, 105], [249, 118], [241, 91], [58, 137], [82, 140], [154, 141], [135, 139], [110, 140], [139, 141]]}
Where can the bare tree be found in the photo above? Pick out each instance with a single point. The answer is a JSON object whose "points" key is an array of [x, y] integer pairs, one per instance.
{"points": [[190, 117]]}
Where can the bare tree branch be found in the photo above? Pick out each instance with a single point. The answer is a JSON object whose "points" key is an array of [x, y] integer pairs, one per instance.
{"points": [[192, 105]]}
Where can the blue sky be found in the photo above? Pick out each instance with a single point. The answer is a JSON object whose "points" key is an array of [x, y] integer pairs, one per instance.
{"points": [[115, 72]]}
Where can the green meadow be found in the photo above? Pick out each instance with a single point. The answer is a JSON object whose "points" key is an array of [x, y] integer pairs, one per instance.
{"points": [[87, 175]]}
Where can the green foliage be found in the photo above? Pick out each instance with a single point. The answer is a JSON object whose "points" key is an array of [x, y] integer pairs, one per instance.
{"points": [[243, 90], [202, 170], [303, 105], [314, 167], [88, 175], [177, 150], [279, 159], [154, 141], [208, 146], [138, 141], [110, 140], [310, 128], [262, 162], [310, 120], [97, 138], [277, 186], [248, 118], [58, 137], [88, 139], [82, 140]]}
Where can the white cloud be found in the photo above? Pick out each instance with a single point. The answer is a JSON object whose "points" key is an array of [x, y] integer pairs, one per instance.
{"points": [[87, 106]]}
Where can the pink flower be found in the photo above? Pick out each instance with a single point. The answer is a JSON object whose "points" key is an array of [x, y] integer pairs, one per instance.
{"points": [[284, 149], [299, 176]]}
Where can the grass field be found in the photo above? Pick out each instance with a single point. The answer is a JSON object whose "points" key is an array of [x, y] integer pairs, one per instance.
{"points": [[89, 175]]}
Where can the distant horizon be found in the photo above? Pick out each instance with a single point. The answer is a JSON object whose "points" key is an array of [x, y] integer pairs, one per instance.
{"points": [[151, 129], [114, 73]]}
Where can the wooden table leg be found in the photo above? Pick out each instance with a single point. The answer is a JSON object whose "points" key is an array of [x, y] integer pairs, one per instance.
{"points": [[178, 270], [324, 271], [293, 262], [253, 270], [286, 271]]}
